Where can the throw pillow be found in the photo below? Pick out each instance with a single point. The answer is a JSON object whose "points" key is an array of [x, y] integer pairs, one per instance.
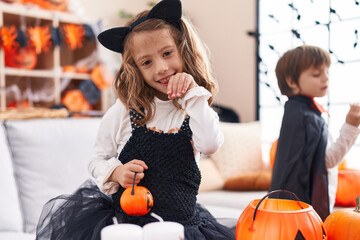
{"points": [[210, 176], [241, 151], [249, 181]]}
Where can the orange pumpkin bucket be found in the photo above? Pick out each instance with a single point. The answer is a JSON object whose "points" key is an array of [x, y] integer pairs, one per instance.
{"points": [[279, 219], [136, 200]]}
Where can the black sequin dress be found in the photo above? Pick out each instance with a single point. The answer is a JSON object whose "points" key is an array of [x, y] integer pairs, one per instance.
{"points": [[173, 179]]}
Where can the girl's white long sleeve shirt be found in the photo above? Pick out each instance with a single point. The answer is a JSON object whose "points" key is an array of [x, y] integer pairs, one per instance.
{"points": [[115, 130]]}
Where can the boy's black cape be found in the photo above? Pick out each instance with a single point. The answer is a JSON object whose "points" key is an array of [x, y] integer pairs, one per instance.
{"points": [[300, 157]]}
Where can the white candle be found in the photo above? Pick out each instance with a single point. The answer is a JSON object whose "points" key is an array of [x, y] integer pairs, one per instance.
{"points": [[122, 231], [163, 230]]}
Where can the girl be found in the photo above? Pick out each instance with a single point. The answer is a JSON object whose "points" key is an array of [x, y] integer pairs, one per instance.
{"points": [[154, 132], [305, 164]]}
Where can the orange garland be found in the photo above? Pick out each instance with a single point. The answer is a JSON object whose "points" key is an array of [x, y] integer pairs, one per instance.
{"points": [[8, 36], [40, 38], [74, 35]]}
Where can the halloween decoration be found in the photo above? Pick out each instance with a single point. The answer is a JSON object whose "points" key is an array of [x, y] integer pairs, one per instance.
{"points": [[74, 35], [58, 5], [273, 152], [136, 200], [21, 58], [348, 187], [40, 38], [90, 91], [69, 68], [8, 37], [279, 219], [344, 223], [43, 38], [74, 100], [99, 76], [82, 69]]}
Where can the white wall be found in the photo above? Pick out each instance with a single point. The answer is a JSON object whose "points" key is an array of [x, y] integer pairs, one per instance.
{"points": [[223, 25]]}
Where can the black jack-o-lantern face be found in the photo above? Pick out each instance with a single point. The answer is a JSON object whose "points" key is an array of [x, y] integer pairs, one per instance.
{"points": [[149, 200]]}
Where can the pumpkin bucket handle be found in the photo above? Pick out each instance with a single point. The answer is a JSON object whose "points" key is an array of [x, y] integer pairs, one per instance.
{"points": [[133, 185], [270, 193]]}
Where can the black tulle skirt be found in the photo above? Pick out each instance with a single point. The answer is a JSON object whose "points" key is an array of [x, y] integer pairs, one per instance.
{"points": [[83, 214]]}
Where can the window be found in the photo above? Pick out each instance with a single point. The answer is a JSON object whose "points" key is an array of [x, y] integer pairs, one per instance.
{"points": [[333, 25]]}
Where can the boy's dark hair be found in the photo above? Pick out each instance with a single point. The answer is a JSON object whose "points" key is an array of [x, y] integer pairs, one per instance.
{"points": [[297, 60]]}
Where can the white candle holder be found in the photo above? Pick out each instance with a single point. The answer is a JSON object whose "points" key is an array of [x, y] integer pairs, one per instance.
{"points": [[122, 231], [163, 230]]}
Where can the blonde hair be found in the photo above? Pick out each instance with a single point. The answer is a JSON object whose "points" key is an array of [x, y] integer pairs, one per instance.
{"points": [[130, 85], [297, 60]]}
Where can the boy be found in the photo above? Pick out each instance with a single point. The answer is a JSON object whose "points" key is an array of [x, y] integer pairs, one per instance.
{"points": [[303, 157]]}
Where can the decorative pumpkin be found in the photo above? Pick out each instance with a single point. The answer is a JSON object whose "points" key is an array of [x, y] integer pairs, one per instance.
{"points": [[136, 200], [21, 104], [348, 187], [344, 223], [74, 100], [343, 165], [69, 68], [279, 219], [21, 58], [273, 152]]}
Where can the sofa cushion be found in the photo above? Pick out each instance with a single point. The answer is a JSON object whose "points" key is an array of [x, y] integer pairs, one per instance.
{"points": [[241, 151], [10, 214], [50, 158], [210, 177], [260, 180]]}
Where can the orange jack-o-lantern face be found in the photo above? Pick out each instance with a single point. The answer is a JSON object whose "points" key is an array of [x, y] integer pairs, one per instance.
{"points": [[21, 58], [136, 200]]}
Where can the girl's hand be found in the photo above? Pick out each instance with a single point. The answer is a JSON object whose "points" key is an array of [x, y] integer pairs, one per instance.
{"points": [[124, 174], [353, 116], [179, 84]]}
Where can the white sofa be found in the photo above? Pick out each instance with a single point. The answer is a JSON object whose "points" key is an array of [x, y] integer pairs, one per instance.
{"points": [[43, 158]]}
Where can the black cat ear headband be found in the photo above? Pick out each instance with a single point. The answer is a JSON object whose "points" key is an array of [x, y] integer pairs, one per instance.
{"points": [[167, 10]]}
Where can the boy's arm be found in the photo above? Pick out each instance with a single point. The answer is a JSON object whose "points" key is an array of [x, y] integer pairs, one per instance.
{"points": [[336, 152], [348, 134]]}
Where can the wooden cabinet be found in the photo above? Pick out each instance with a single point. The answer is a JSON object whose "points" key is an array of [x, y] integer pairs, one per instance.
{"points": [[46, 84]]}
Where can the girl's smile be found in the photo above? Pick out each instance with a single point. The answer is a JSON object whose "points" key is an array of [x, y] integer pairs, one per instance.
{"points": [[157, 57], [164, 81]]}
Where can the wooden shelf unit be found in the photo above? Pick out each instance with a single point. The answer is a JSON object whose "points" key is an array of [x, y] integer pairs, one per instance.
{"points": [[49, 66]]}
